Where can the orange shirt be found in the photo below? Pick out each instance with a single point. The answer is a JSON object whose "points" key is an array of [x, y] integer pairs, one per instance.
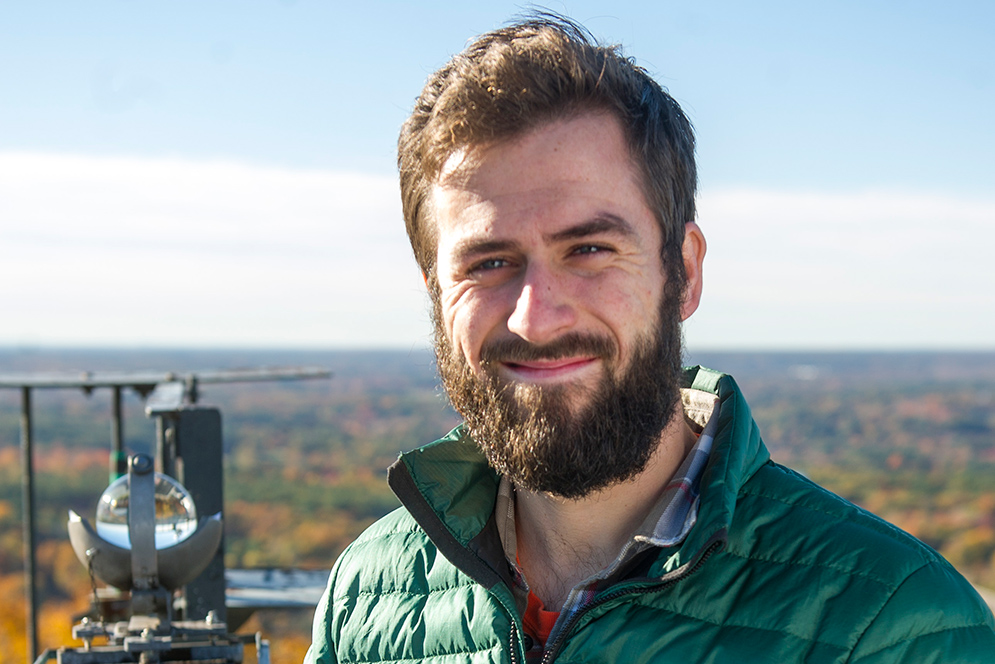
{"points": [[538, 622]]}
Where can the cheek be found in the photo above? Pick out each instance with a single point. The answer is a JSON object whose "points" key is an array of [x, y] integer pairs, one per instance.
{"points": [[465, 321], [630, 308]]}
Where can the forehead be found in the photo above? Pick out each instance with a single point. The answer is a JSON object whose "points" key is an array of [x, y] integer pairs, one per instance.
{"points": [[589, 141], [566, 168]]}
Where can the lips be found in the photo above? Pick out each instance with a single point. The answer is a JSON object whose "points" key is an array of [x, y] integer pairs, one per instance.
{"points": [[569, 349], [548, 369]]}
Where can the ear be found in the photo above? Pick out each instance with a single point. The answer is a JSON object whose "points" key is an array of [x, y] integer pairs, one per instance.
{"points": [[693, 249]]}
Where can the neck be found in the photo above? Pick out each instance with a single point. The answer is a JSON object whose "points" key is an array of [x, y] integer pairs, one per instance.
{"points": [[562, 541]]}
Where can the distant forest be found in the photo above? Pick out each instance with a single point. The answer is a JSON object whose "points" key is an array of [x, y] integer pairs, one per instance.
{"points": [[909, 436]]}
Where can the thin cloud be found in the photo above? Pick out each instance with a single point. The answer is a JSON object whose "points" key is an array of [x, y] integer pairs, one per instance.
{"points": [[128, 251], [201, 253], [876, 269]]}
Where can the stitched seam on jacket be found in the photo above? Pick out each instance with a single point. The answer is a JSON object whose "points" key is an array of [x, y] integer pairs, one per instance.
{"points": [[881, 608], [919, 636], [455, 653], [753, 627], [410, 593], [799, 563], [408, 529], [399, 591], [889, 531], [394, 534], [382, 539]]}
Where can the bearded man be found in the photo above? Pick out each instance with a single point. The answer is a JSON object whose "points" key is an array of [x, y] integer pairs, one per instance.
{"points": [[600, 504]]}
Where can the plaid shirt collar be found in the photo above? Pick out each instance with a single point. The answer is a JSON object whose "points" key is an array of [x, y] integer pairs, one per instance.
{"points": [[667, 524]]}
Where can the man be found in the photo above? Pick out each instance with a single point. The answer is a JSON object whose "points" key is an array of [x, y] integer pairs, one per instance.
{"points": [[600, 504]]}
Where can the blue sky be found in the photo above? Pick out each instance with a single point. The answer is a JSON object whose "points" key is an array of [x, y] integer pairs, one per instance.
{"points": [[189, 173]]}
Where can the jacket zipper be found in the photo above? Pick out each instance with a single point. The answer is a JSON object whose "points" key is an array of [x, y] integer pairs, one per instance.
{"points": [[551, 653], [514, 643]]}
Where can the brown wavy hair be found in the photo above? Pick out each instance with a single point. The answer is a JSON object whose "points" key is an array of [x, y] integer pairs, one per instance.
{"points": [[534, 71]]}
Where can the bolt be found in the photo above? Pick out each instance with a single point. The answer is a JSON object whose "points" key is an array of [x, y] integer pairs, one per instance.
{"points": [[141, 464]]}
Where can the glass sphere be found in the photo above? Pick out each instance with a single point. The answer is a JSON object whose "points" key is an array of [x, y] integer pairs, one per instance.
{"points": [[175, 514]]}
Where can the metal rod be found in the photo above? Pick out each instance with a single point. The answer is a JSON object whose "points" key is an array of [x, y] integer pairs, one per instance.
{"points": [[119, 462], [141, 524], [28, 502]]}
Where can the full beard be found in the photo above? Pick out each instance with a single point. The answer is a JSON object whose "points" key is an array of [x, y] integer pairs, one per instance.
{"points": [[532, 435]]}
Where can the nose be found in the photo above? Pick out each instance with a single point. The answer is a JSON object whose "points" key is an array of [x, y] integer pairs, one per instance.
{"points": [[543, 310]]}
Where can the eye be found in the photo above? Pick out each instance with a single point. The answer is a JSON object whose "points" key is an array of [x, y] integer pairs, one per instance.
{"points": [[489, 264], [489, 269], [590, 250]]}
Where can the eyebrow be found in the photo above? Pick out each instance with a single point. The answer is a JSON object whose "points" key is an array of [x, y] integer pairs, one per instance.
{"points": [[603, 223], [467, 250]]}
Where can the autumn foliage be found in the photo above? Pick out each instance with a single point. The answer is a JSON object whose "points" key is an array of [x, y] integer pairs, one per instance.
{"points": [[909, 437]]}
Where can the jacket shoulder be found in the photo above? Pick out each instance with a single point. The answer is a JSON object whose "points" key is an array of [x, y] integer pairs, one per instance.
{"points": [[851, 538], [393, 597], [880, 593], [394, 555]]}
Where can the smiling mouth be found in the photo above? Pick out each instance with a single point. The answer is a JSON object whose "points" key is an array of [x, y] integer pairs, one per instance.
{"points": [[535, 370], [569, 357]]}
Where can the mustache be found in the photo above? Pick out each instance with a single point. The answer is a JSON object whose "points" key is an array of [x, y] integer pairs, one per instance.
{"points": [[516, 349]]}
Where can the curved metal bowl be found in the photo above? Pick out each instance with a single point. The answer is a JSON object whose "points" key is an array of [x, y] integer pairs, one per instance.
{"points": [[178, 564]]}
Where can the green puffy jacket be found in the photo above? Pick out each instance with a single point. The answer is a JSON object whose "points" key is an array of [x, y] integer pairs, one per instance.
{"points": [[776, 569]]}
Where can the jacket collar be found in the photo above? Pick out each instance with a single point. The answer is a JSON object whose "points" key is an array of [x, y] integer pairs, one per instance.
{"points": [[737, 453]]}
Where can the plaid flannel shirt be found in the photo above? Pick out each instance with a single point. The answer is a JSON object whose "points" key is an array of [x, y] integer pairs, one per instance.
{"points": [[667, 524]]}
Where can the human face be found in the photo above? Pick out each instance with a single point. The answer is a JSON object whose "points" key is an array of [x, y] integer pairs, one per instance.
{"points": [[530, 434], [544, 237]]}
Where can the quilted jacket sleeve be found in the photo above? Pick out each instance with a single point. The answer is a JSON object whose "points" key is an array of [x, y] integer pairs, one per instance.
{"points": [[933, 617], [322, 650]]}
